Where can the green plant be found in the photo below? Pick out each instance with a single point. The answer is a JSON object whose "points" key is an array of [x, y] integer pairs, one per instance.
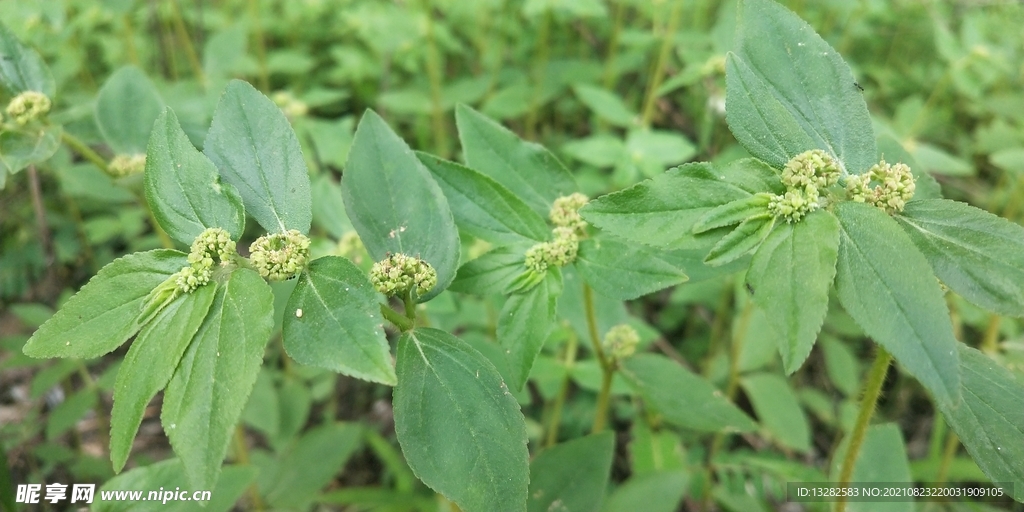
{"points": [[500, 284]]}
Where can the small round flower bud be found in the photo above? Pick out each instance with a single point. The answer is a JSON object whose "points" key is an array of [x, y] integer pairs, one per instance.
{"points": [[794, 204], [213, 242], [289, 104], [280, 256], [28, 106], [620, 342], [560, 251], [894, 186], [565, 212], [398, 274], [124, 165], [191, 277], [814, 168]]}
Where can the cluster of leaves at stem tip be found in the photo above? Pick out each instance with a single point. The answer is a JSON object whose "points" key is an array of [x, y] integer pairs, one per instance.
{"points": [[815, 209]]}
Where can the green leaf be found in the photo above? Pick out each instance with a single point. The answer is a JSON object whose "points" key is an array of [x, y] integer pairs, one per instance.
{"points": [[883, 459], [652, 492], [329, 207], [459, 427], [333, 321], [205, 396], [21, 68], [64, 416], [524, 323], [778, 410], [682, 397], [791, 274], [103, 314], [484, 208], [126, 108], [990, 421], [606, 105], [309, 465], [572, 476], [19, 149], [652, 150], [150, 363], [752, 175], [661, 211], [740, 241], [183, 187], [255, 149], [887, 286], [625, 271], [841, 365], [977, 254], [394, 203], [493, 272], [526, 169], [788, 91], [733, 213], [170, 474]]}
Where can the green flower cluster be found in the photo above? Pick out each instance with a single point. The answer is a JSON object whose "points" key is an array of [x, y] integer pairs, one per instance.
{"points": [[351, 247], [28, 106], [559, 252], [894, 186], [620, 341], [212, 245], [289, 104], [565, 212], [124, 165], [398, 274], [280, 256], [805, 176]]}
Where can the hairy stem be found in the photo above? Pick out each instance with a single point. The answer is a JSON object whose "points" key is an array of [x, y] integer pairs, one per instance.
{"points": [[401, 321], [601, 416], [242, 457], [872, 390], [659, 66], [85, 151], [556, 411]]}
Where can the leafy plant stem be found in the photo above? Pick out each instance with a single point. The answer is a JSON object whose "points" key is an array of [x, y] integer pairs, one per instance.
{"points": [[102, 420], [613, 46], [261, 45], [186, 41], [990, 343], [434, 75], [85, 151], [401, 321], [42, 226], [555, 419], [606, 367], [539, 63], [659, 66], [129, 39], [872, 390], [948, 452], [242, 457]]}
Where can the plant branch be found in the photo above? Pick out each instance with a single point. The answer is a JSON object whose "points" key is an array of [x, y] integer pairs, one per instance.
{"points": [[85, 151], [401, 321], [872, 390], [556, 411], [601, 416]]}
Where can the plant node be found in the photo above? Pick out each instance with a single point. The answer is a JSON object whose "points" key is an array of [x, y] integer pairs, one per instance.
{"points": [[398, 274]]}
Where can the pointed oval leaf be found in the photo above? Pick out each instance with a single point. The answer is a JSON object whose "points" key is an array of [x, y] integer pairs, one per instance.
{"points": [[149, 364], [572, 475], [625, 271], [990, 421], [606, 104], [459, 427], [661, 211], [183, 187], [333, 321], [791, 274], [682, 397], [394, 203], [733, 213], [888, 287], [493, 272], [977, 254], [205, 396], [526, 169], [778, 410], [524, 323], [788, 91], [740, 241], [19, 150], [170, 474], [126, 107], [256, 150], [102, 315], [484, 208], [21, 68]]}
